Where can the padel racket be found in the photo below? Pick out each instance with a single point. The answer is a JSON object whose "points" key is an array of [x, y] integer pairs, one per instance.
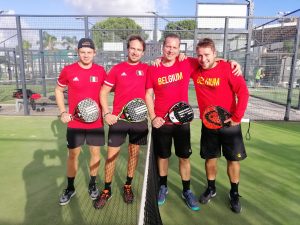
{"points": [[180, 113], [214, 117], [134, 111], [86, 111]]}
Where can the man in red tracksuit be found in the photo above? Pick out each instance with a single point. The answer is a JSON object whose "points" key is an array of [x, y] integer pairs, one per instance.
{"points": [[215, 84]]}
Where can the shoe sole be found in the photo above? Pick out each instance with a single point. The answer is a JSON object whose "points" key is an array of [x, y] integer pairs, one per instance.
{"points": [[128, 202], [104, 204], [192, 208], [67, 202], [232, 207], [214, 195], [93, 198]]}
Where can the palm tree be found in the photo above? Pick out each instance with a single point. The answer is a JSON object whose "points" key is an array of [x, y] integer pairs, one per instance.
{"points": [[49, 41], [26, 45], [69, 42]]}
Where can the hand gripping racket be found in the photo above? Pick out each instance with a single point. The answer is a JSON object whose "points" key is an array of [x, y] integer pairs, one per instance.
{"points": [[180, 113], [134, 111], [214, 117], [86, 111]]}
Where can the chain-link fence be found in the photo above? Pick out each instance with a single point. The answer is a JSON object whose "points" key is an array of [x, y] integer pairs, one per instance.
{"points": [[267, 49]]}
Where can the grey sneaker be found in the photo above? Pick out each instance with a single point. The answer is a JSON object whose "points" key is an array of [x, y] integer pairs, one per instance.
{"points": [[234, 201], [190, 200], [163, 191], [93, 191], [207, 195], [66, 196]]}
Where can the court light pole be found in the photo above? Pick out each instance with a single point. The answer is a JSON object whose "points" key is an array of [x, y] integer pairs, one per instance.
{"points": [[155, 30], [86, 25]]}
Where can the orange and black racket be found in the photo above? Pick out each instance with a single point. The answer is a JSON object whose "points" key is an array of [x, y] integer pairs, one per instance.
{"points": [[214, 117]]}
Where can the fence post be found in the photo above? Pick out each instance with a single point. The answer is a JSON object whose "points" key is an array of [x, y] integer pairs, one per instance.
{"points": [[42, 62], [22, 70], [293, 73], [16, 68], [225, 43], [248, 51], [249, 38], [86, 27], [155, 28]]}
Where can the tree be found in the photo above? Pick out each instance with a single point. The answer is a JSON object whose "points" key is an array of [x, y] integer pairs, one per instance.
{"points": [[49, 41], [115, 29], [69, 42], [26, 45], [184, 28]]}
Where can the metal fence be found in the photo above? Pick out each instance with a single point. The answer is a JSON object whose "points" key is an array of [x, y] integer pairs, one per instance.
{"points": [[34, 49]]}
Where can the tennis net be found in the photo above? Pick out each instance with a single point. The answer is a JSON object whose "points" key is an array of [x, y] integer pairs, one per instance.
{"points": [[149, 212]]}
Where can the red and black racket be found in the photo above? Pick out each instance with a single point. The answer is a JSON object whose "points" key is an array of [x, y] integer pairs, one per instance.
{"points": [[180, 113], [86, 111], [134, 111], [214, 117]]}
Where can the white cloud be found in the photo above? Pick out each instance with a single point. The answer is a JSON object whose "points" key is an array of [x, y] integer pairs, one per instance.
{"points": [[118, 7]]}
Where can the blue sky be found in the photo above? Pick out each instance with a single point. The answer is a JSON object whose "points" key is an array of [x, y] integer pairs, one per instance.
{"points": [[139, 7]]}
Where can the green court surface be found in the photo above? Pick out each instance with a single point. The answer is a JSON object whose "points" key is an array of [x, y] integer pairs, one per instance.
{"points": [[33, 164]]}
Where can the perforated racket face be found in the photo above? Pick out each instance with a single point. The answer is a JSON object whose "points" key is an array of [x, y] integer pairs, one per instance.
{"points": [[181, 113], [87, 111], [136, 110], [214, 117]]}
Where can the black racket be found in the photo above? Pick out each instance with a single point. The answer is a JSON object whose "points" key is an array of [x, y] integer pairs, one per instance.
{"points": [[214, 117], [180, 113], [86, 111], [134, 111]]}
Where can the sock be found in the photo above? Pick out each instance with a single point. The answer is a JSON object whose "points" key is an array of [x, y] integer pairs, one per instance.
{"points": [[211, 184], [163, 180], [128, 180], [92, 180], [234, 187], [71, 183], [107, 186], [185, 185]]}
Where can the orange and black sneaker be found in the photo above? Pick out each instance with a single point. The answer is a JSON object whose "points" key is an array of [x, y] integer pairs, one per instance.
{"points": [[128, 194], [102, 199]]}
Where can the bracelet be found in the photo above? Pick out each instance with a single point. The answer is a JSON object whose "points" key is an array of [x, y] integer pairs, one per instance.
{"points": [[153, 119], [63, 113], [105, 114]]}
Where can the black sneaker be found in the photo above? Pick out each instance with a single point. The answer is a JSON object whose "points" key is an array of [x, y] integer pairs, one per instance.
{"points": [[93, 191], [102, 199], [234, 201], [66, 196], [207, 195]]}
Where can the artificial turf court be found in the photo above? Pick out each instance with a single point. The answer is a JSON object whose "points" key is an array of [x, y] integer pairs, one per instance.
{"points": [[32, 171]]}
